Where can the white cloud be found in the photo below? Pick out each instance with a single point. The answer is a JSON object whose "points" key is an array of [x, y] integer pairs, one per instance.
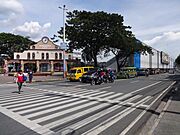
{"points": [[10, 10], [32, 29], [157, 30], [168, 42]]}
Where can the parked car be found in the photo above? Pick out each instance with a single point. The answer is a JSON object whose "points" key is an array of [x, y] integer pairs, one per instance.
{"points": [[142, 72], [127, 72]]}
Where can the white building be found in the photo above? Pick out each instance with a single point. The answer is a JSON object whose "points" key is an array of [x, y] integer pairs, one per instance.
{"points": [[44, 56]]}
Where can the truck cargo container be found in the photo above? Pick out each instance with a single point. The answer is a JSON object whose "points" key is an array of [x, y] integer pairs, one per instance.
{"points": [[155, 62]]}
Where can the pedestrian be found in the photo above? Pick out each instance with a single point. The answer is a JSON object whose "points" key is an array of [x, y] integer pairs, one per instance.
{"points": [[20, 80], [25, 75], [30, 76]]}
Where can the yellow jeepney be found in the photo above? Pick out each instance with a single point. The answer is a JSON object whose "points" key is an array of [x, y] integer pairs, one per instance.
{"points": [[76, 73]]}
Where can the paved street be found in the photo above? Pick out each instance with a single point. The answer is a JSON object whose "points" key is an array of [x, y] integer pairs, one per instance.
{"points": [[60, 107]]}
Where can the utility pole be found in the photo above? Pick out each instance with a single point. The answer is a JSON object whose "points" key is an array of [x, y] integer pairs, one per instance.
{"points": [[64, 61]]}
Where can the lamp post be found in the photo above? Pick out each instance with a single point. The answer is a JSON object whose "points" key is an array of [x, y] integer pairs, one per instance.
{"points": [[64, 62]]}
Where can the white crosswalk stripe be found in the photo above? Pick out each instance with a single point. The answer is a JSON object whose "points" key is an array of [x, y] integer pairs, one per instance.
{"points": [[51, 108]]}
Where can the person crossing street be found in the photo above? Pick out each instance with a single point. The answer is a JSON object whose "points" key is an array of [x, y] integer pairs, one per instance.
{"points": [[20, 80]]}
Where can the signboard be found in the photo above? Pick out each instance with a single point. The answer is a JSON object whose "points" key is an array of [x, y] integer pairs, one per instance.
{"points": [[164, 58]]}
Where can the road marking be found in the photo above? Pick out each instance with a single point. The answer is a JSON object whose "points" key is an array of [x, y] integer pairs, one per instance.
{"points": [[106, 94], [57, 114], [2, 85], [20, 97], [103, 88], [89, 94], [160, 116], [134, 81], [81, 85], [131, 99], [141, 114], [109, 122], [92, 118], [113, 96], [145, 87], [75, 116], [31, 101], [52, 109], [29, 124], [50, 105], [94, 94], [35, 104]]}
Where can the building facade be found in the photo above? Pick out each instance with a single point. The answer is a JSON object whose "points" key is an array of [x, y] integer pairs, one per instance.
{"points": [[44, 56]]}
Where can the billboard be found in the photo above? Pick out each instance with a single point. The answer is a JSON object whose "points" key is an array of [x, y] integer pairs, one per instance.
{"points": [[164, 58]]}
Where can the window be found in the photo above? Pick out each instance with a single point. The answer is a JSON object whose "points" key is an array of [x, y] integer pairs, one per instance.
{"points": [[47, 56], [60, 56], [33, 47], [17, 56], [56, 56], [33, 55], [69, 57], [28, 55], [85, 69], [79, 71], [42, 56]]}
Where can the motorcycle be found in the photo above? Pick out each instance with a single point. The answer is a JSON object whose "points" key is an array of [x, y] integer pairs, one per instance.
{"points": [[111, 79], [98, 80]]}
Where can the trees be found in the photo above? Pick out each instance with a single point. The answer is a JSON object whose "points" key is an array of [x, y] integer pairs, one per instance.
{"points": [[10, 43], [87, 31], [178, 60], [94, 32], [124, 46]]}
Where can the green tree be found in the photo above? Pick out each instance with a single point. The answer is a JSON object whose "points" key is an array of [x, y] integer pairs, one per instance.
{"points": [[178, 60], [87, 31], [10, 43]]}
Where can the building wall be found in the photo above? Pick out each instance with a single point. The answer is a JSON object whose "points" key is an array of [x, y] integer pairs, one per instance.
{"points": [[38, 54]]}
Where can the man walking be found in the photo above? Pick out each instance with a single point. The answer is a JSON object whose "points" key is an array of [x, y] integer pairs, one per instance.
{"points": [[20, 80]]}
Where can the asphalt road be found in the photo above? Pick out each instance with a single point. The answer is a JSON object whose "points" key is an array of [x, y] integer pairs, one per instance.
{"points": [[63, 108]]}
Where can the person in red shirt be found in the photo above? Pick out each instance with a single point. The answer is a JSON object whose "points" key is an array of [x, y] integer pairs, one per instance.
{"points": [[20, 80]]}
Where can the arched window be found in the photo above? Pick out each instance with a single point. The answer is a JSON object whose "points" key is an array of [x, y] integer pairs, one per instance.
{"points": [[47, 56], [69, 56], [33, 55], [42, 56], [33, 47], [17, 56], [56, 56], [60, 56], [28, 55]]}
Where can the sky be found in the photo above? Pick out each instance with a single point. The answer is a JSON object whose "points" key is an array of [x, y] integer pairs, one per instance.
{"points": [[154, 22]]}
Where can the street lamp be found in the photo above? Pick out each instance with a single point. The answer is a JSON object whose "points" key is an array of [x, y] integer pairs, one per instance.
{"points": [[64, 62]]}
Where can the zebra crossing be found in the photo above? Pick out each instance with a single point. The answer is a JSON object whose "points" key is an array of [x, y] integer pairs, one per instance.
{"points": [[65, 110]]}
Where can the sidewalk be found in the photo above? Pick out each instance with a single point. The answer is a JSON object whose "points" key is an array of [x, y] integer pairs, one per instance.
{"points": [[168, 122], [10, 79]]}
